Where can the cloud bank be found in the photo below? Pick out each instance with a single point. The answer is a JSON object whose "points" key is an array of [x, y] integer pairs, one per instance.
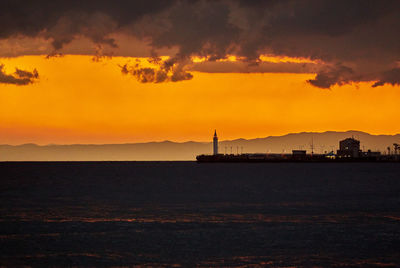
{"points": [[354, 40], [19, 77], [170, 70]]}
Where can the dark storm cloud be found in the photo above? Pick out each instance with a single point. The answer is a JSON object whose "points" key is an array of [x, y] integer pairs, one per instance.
{"points": [[171, 70], [355, 40], [201, 28], [63, 20], [262, 67], [19, 77], [390, 77], [337, 75]]}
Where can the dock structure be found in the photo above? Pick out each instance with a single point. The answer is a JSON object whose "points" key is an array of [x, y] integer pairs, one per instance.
{"points": [[349, 147], [349, 151]]}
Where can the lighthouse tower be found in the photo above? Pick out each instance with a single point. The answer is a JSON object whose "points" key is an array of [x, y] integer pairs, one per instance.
{"points": [[215, 143]]}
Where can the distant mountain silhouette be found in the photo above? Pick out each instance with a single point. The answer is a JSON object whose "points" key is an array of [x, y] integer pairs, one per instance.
{"points": [[168, 150]]}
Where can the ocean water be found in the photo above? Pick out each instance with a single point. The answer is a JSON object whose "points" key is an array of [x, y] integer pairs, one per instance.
{"points": [[185, 214]]}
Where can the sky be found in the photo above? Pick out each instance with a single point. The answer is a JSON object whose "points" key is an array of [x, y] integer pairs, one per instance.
{"points": [[138, 71]]}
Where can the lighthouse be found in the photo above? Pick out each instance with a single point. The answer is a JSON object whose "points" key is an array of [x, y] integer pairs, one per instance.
{"points": [[215, 143]]}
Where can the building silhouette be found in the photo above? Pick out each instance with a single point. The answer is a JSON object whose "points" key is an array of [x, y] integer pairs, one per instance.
{"points": [[299, 153], [215, 143], [349, 147]]}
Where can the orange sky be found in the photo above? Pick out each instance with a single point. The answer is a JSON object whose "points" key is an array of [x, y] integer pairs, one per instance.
{"points": [[77, 100]]}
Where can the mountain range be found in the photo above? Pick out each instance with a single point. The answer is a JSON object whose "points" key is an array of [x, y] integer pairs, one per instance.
{"points": [[170, 151]]}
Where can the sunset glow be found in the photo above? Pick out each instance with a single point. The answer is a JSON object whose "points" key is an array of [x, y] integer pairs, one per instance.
{"points": [[78, 100], [105, 72], [207, 133]]}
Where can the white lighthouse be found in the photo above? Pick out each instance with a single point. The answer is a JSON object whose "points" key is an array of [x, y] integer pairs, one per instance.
{"points": [[215, 143]]}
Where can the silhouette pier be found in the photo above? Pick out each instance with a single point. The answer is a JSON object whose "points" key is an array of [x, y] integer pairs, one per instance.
{"points": [[349, 151]]}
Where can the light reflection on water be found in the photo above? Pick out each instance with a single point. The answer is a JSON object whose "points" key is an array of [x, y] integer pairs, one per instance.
{"points": [[201, 218]]}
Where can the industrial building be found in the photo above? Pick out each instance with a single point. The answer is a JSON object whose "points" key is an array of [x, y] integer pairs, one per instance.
{"points": [[349, 147]]}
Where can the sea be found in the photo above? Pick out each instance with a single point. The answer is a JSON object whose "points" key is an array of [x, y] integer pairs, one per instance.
{"points": [[187, 214]]}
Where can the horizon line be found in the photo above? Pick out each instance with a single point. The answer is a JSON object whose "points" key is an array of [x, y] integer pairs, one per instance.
{"points": [[193, 141]]}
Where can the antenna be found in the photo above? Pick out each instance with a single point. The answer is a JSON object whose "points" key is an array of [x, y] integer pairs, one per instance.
{"points": [[312, 146]]}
